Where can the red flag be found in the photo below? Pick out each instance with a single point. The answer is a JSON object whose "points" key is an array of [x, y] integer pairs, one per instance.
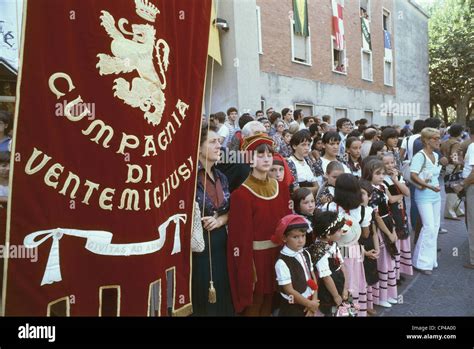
{"points": [[108, 124], [338, 24]]}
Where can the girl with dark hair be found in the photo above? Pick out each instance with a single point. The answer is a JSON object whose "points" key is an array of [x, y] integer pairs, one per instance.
{"points": [[285, 148], [328, 261], [390, 137], [386, 290], [347, 194], [355, 133], [326, 193], [250, 252], [212, 196], [304, 205], [316, 148], [348, 200], [300, 164], [397, 191], [280, 170], [371, 248], [377, 148], [353, 159], [287, 115], [331, 141]]}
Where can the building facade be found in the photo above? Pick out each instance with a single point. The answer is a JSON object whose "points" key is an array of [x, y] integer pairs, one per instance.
{"points": [[382, 75]]}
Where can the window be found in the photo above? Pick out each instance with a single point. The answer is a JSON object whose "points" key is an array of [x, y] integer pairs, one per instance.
{"points": [[369, 115], [367, 65], [338, 58], [388, 55], [386, 21], [338, 46], [300, 46], [364, 9], [389, 119], [388, 73], [341, 113], [259, 31], [306, 108]]}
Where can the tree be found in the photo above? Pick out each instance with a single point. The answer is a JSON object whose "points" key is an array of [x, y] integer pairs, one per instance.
{"points": [[452, 57]]}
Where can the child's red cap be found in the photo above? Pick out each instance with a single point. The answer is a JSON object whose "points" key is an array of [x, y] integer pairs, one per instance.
{"points": [[289, 222]]}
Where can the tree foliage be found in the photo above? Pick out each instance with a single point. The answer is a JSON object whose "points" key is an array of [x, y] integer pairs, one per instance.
{"points": [[452, 56]]}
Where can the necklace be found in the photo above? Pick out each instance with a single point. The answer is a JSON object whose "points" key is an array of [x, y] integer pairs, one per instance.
{"points": [[300, 160]]}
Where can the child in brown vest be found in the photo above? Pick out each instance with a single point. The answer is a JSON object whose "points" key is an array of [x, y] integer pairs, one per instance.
{"points": [[294, 269]]}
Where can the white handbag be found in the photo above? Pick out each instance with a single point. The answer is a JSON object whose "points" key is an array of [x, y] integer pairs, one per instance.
{"points": [[406, 171], [197, 234]]}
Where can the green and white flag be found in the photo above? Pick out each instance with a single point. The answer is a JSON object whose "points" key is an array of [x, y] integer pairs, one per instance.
{"points": [[300, 10], [366, 41]]}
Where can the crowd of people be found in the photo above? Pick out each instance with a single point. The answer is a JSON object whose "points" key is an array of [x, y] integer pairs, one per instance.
{"points": [[315, 221], [311, 218]]}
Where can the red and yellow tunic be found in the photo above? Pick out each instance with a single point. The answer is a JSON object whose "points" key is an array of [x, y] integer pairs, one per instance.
{"points": [[255, 209]]}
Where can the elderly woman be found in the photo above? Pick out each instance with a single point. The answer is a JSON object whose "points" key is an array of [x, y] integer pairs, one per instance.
{"points": [[212, 196], [238, 171], [278, 136], [274, 119], [425, 170]]}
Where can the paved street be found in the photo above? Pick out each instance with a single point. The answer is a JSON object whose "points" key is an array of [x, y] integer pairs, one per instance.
{"points": [[450, 290]]}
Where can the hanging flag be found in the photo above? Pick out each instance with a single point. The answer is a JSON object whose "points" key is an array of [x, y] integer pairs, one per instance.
{"points": [[338, 24], [300, 10], [101, 200], [366, 40], [387, 45], [214, 49]]}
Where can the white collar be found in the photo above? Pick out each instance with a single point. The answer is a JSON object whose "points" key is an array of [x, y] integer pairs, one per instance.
{"points": [[289, 252], [343, 136]]}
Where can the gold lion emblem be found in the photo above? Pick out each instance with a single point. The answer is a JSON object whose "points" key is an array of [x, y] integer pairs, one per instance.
{"points": [[136, 53]]}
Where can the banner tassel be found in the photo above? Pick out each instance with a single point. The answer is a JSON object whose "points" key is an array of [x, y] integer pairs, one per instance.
{"points": [[212, 293]]}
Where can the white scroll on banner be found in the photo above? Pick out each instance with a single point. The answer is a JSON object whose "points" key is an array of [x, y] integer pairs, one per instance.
{"points": [[99, 242]]}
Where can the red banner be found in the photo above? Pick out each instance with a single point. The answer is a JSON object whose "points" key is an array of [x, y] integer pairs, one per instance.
{"points": [[107, 130]]}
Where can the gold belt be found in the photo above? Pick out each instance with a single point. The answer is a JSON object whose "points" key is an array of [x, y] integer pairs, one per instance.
{"points": [[263, 245]]}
